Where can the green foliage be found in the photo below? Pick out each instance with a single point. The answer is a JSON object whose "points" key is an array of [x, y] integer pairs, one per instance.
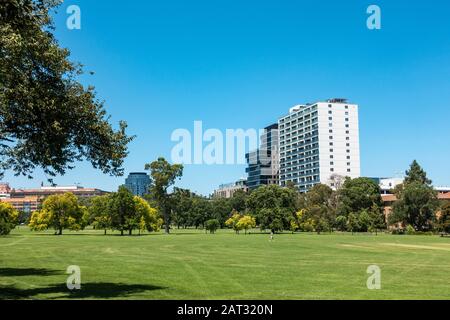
{"points": [[416, 174], [122, 211], [48, 118], [358, 194], [99, 214], [410, 230], [163, 176], [417, 201], [341, 223], [8, 218], [415, 206], [444, 219], [61, 211], [352, 223], [212, 225], [273, 206]]}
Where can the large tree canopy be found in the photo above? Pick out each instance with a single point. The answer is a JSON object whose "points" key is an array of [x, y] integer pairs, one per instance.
{"points": [[47, 118]]}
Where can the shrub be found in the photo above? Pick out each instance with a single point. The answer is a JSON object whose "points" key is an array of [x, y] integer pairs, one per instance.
{"points": [[212, 225], [410, 230]]}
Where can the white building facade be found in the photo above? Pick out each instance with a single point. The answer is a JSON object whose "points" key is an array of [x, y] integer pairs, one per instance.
{"points": [[318, 141]]}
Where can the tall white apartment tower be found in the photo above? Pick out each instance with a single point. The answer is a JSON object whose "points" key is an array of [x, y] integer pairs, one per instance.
{"points": [[319, 143]]}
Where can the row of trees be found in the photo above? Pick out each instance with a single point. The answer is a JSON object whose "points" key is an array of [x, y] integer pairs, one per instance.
{"points": [[116, 211], [356, 206]]}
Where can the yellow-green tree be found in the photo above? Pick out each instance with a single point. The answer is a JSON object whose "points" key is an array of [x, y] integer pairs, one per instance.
{"points": [[8, 218], [61, 211], [147, 217], [232, 222], [245, 223]]}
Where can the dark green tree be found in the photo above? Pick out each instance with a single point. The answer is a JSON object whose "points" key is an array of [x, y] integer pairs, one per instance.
{"points": [[163, 176], [47, 118], [417, 200], [358, 194], [122, 210], [416, 174]]}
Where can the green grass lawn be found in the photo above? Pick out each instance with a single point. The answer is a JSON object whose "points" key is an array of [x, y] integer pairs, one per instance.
{"points": [[189, 264]]}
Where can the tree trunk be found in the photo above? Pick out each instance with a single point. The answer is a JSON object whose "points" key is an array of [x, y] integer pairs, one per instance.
{"points": [[60, 231], [121, 232], [105, 232], [130, 231]]}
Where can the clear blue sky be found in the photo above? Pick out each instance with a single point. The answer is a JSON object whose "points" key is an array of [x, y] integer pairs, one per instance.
{"points": [[160, 65]]}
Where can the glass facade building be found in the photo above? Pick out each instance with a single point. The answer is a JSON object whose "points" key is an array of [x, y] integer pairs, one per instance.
{"points": [[262, 164], [138, 183]]}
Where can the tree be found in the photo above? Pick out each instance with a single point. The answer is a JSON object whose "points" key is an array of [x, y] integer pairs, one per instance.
{"points": [[358, 194], [320, 207], [352, 223], [341, 223], [417, 200], [246, 222], [47, 118], [212, 225], [8, 218], [273, 206], [221, 208], [59, 211], [364, 222], [123, 211], [181, 203], [444, 219], [163, 176], [415, 206], [146, 216], [232, 222], [416, 174], [99, 214], [237, 201]]}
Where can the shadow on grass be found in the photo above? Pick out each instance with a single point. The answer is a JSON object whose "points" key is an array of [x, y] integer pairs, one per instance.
{"points": [[17, 272], [97, 290]]}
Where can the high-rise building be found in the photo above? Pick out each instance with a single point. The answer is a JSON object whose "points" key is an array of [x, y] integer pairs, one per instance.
{"points": [[263, 163], [138, 183], [319, 142]]}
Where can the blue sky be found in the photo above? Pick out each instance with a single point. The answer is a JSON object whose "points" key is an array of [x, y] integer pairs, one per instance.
{"points": [[242, 64]]}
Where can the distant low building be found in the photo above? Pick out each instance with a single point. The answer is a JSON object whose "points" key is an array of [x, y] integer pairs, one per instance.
{"points": [[227, 190], [387, 184], [29, 200], [138, 183]]}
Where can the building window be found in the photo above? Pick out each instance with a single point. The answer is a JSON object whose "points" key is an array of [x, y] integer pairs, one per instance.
{"points": [[331, 137], [332, 169], [348, 163], [331, 143], [347, 132], [331, 163], [330, 118], [346, 119], [331, 156], [347, 126], [348, 157], [331, 150], [330, 112], [347, 138], [348, 170], [348, 151], [346, 107], [348, 144], [330, 131]]}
